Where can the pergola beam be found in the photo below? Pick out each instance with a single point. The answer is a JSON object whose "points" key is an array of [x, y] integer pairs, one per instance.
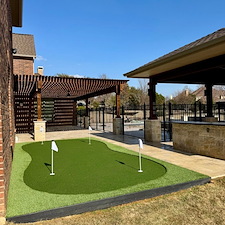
{"points": [[68, 88], [97, 93]]}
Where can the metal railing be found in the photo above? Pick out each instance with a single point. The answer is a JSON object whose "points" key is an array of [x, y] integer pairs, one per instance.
{"points": [[102, 118]]}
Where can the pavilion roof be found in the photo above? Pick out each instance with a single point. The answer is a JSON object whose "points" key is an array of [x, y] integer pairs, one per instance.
{"points": [[192, 63], [64, 87]]}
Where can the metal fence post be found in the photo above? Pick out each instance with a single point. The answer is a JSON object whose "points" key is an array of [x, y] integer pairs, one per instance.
{"points": [[103, 118], [96, 114], [170, 126], [164, 122], [195, 111], [200, 110], [123, 118], [89, 119], [144, 111], [219, 111]]}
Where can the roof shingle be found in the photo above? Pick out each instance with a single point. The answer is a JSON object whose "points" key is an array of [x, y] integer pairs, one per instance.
{"points": [[217, 34], [24, 44], [213, 37]]}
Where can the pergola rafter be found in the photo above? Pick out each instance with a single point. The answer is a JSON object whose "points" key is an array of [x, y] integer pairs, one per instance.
{"points": [[65, 91], [65, 87]]}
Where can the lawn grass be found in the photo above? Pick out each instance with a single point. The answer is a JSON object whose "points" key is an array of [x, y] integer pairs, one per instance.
{"points": [[32, 189], [197, 205]]}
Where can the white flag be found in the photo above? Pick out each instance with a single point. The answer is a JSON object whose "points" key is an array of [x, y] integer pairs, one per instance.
{"points": [[140, 144], [90, 128], [54, 146]]}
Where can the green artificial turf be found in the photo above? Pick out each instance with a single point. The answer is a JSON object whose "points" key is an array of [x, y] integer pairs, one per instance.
{"points": [[83, 173], [83, 168]]}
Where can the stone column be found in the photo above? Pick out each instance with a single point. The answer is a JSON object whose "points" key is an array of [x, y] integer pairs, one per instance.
{"points": [[39, 130], [86, 122], [118, 126], [152, 132]]}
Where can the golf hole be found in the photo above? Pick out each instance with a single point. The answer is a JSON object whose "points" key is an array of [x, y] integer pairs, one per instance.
{"points": [[81, 168]]}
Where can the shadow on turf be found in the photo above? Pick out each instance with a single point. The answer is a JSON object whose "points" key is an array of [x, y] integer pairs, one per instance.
{"points": [[122, 163], [132, 139], [48, 166]]}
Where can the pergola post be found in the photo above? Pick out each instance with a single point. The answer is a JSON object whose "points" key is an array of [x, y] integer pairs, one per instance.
{"points": [[209, 99], [86, 117], [152, 131], [39, 100], [118, 122], [118, 101], [39, 125], [152, 99]]}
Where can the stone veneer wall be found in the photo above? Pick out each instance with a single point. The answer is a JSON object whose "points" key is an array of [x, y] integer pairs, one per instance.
{"points": [[6, 102], [200, 138]]}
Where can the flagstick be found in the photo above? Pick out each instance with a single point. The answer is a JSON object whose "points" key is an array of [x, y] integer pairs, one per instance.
{"points": [[89, 138], [52, 173], [89, 132], [140, 170]]}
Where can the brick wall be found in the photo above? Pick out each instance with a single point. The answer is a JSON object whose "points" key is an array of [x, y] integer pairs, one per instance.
{"points": [[6, 102], [23, 66]]}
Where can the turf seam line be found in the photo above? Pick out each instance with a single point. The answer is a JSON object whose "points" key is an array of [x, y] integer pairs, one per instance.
{"points": [[104, 203]]}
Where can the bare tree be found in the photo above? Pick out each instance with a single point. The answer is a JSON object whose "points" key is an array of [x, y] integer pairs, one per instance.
{"points": [[143, 86]]}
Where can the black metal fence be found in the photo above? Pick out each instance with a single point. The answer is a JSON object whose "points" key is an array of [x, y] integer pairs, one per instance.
{"points": [[102, 118]]}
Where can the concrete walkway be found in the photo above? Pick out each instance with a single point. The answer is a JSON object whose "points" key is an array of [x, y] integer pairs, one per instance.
{"points": [[214, 168]]}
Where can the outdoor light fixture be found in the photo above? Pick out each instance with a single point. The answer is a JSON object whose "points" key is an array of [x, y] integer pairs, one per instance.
{"points": [[14, 50]]}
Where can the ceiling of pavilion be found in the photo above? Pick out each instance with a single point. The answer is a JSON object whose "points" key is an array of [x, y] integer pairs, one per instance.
{"points": [[207, 71]]}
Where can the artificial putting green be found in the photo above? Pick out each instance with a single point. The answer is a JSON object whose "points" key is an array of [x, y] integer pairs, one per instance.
{"points": [[83, 173], [83, 168]]}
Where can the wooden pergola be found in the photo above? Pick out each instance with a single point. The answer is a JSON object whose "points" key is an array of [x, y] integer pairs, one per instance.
{"points": [[71, 89]]}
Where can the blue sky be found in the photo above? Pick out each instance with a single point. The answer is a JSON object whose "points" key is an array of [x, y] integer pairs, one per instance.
{"points": [[112, 37]]}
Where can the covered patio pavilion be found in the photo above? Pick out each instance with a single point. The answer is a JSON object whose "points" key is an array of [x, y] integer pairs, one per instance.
{"points": [[31, 92], [200, 62]]}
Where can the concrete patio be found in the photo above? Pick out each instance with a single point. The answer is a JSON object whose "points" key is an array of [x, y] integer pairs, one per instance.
{"points": [[212, 167]]}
